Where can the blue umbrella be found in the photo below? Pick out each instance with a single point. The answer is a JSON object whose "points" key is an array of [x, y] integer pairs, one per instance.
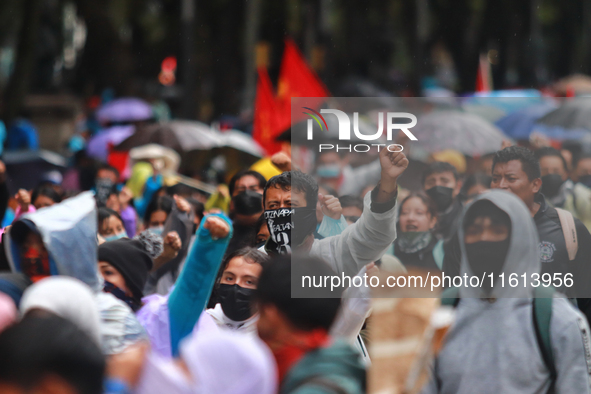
{"points": [[520, 124], [507, 100]]}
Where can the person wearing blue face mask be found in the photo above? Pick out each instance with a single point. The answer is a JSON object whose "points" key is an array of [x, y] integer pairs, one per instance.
{"points": [[110, 225]]}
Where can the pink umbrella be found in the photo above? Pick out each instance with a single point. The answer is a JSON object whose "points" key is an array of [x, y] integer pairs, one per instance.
{"points": [[128, 109]]}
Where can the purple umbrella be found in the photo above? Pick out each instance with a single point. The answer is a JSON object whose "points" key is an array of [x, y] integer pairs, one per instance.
{"points": [[124, 110], [98, 146]]}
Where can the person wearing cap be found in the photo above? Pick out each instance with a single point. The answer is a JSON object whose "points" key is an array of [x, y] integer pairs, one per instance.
{"points": [[124, 265]]}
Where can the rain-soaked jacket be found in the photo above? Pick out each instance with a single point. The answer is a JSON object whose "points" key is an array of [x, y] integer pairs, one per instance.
{"points": [[68, 231], [492, 345]]}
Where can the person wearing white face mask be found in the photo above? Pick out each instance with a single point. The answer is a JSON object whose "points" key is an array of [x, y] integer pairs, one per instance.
{"points": [[110, 225]]}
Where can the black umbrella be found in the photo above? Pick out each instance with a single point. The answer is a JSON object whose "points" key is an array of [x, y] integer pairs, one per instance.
{"points": [[25, 169]]}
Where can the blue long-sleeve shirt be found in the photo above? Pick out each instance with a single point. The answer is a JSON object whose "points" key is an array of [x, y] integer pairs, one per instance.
{"points": [[151, 186], [193, 287]]}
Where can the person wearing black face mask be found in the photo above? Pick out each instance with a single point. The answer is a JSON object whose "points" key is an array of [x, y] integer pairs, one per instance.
{"points": [[290, 211], [240, 271], [441, 183], [487, 234], [582, 170], [495, 326], [581, 196], [247, 208], [560, 191], [555, 183], [517, 170]]}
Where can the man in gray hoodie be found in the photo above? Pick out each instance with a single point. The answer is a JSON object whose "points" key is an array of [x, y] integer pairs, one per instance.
{"points": [[492, 346]]}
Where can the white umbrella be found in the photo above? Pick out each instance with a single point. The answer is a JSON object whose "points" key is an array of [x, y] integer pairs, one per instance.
{"points": [[466, 133]]}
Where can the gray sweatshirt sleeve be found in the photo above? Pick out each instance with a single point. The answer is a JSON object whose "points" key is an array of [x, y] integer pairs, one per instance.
{"points": [[571, 347], [361, 243]]}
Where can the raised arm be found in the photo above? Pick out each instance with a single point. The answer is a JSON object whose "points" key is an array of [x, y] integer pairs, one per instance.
{"points": [[367, 239], [193, 287]]}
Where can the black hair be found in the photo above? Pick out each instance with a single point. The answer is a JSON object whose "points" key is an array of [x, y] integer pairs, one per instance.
{"points": [[428, 201], [158, 203], [179, 189], [108, 167], [275, 288], [242, 174], [529, 164], [329, 190], [473, 180], [105, 213], [47, 192], [298, 181], [198, 207], [438, 167], [486, 208], [43, 345], [248, 203], [351, 201], [549, 151], [583, 156], [248, 253], [257, 226], [574, 147]]}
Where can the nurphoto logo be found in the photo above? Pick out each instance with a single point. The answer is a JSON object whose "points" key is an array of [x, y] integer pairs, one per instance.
{"points": [[345, 129]]}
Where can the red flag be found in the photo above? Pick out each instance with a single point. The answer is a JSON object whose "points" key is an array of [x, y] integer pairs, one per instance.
{"points": [[483, 78], [266, 121], [296, 79]]}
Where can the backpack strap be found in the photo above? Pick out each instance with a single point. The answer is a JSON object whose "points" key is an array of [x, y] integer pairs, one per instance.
{"points": [[542, 316], [450, 296], [567, 222]]}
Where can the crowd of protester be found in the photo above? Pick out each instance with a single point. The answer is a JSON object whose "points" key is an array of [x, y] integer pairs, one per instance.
{"points": [[132, 285]]}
